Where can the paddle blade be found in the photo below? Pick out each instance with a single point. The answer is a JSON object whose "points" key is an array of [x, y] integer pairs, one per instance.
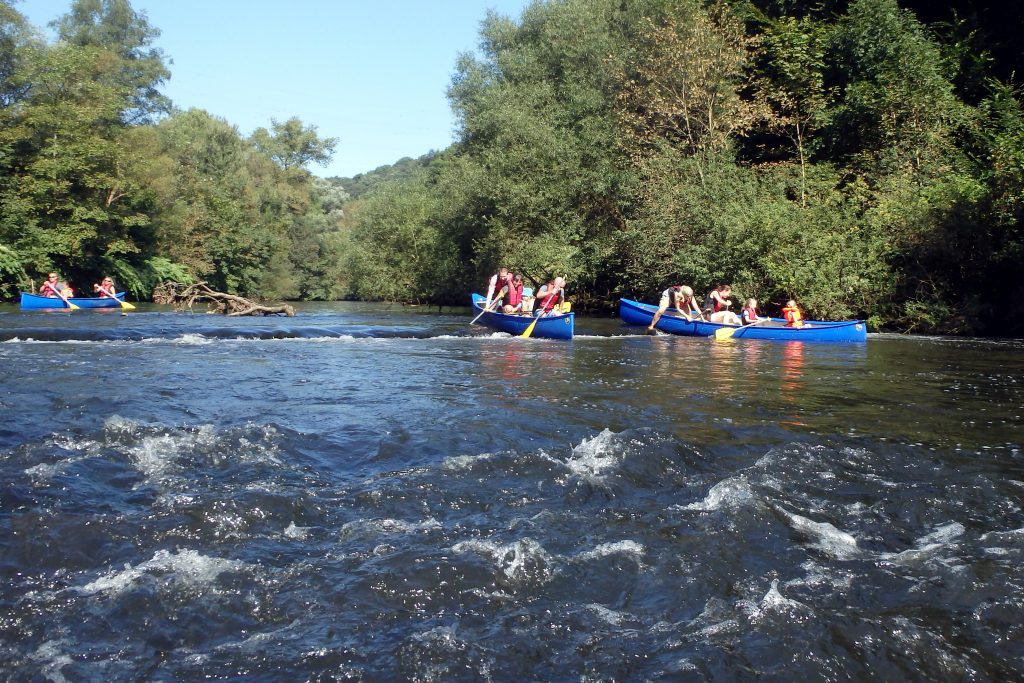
{"points": [[72, 306], [125, 305], [725, 333], [529, 330]]}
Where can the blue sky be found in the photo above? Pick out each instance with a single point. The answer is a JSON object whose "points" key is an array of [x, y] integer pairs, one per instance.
{"points": [[372, 73]]}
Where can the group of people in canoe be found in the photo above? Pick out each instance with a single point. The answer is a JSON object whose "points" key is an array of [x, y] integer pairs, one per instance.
{"points": [[56, 288], [716, 308], [506, 293]]}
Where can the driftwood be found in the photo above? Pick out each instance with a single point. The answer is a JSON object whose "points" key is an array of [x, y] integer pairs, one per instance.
{"points": [[183, 296]]}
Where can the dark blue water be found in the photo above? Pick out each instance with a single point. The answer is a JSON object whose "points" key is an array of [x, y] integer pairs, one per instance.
{"points": [[380, 494]]}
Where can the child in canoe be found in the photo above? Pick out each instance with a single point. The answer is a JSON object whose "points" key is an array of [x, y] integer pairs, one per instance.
{"points": [[792, 314], [749, 316]]}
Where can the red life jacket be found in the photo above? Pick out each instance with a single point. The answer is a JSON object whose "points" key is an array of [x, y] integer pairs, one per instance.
{"points": [[515, 294], [550, 299], [749, 315], [716, 304]]}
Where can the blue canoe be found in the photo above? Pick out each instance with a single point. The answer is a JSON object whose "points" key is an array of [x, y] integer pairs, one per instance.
{"points": [[34, 302], [550, 327], [849, 331]]}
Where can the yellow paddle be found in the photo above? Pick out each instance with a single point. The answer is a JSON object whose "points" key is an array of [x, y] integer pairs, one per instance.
{"points": [[113, 295], [529, 330], [63, 298], [727, 332], [564, 307]]}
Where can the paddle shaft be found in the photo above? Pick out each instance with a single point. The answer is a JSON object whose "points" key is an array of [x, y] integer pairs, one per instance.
{"points": [[726, 333], [113, 295], [487, 307], [63, 298], [529, 330]]}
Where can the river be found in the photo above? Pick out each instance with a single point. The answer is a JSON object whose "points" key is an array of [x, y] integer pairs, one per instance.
{"points": [[376, 493]]}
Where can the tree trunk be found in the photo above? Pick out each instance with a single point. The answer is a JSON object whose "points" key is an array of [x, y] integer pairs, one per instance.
{"points": [[183, 296]]}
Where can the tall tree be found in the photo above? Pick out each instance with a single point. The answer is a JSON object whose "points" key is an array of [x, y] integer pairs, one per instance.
{"points": [[293, 145], [141, 68]]}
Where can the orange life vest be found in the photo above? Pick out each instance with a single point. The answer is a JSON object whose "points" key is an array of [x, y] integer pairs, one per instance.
{"points": [[793, 317]]}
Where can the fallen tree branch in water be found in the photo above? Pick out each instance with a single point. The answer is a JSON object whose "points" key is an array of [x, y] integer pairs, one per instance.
{"points": [[182, 296]]}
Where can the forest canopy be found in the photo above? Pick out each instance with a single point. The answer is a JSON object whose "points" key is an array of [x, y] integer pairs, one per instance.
{"points": [[865, 157]]}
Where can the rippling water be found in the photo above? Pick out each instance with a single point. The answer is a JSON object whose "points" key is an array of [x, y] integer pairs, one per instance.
{"points": [[380, 494]]}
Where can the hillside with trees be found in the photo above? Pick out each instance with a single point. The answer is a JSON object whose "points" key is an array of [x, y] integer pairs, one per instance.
{"points": [[865, 157]]}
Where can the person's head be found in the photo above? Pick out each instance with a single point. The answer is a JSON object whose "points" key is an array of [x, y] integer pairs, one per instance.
{"points": [[108, 282], [725, 289], [503, 271], [518, 279], [790, 304], [751, 303], [686, 291], [559, 282], [52, 277]]}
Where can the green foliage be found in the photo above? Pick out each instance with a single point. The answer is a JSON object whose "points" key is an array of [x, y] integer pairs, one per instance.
{"points": [[293, 145], [115, 27], [12, 272]]}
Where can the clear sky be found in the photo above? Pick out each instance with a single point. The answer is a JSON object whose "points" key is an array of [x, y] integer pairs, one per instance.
{"points": [[372, 73]]}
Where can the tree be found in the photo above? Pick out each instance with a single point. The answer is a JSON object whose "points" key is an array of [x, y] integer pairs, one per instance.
{"points": [[791, 61], [682, 90], [292, 145], [113, 25]]}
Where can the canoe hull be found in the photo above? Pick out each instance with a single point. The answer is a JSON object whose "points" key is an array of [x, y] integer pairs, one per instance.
{"points": [[848, 331], [549, 327], [34, 302]]}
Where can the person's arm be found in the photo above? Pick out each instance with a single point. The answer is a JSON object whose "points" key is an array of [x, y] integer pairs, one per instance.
{"points": [[491, 284]]}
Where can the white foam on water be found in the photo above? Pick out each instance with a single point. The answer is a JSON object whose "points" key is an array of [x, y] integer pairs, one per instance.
{"points": [[120, 425], [193, 339], [816, 576], [455, 463], [1013, 535], [156, 456], [515, 560], [832, 541], [299, 533], [775, 602], [186, 568], [730, 493], [52, 659], [607, 615], [632, 549], [596, 456], [928, 546], [388, 526], [45, 471]]}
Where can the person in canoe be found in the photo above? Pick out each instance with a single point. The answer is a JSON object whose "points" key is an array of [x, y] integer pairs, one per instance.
{"points": [[749, 316], [549, 297], [717, 304], [791, 312], [499, 281], [528, 299], [514, 296], [679, 297], [105, 289], [53, 287]]}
